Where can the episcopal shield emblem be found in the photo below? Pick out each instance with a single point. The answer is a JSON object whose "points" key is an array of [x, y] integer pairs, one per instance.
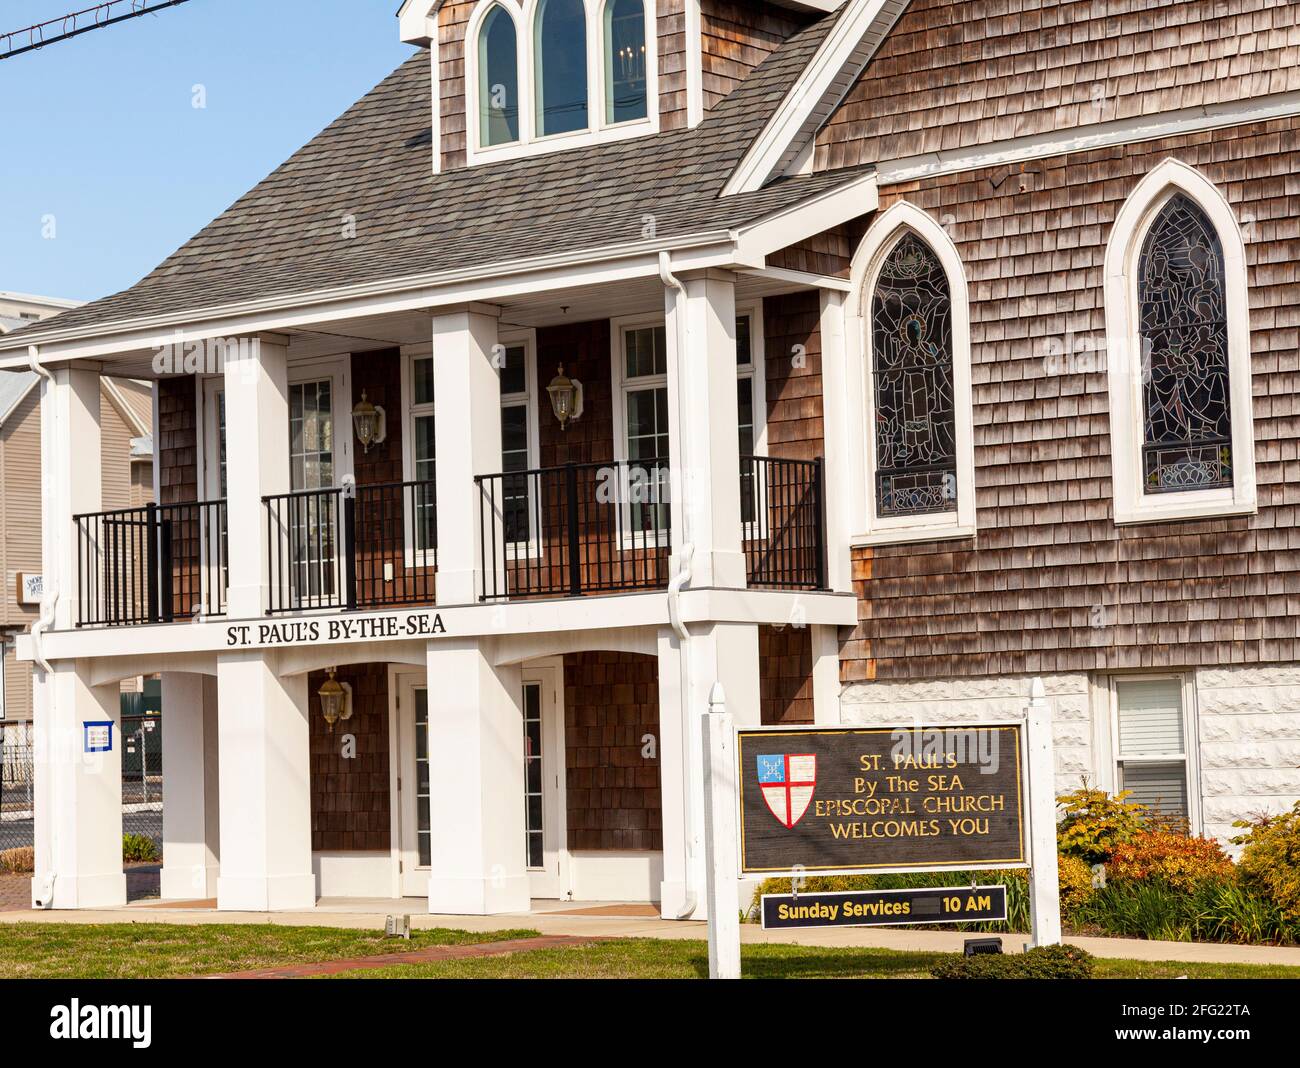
{"points": [[788, 781]]}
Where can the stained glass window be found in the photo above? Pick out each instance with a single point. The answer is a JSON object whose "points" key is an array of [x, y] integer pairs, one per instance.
{"points": [[916, 439], [1187, 443]]}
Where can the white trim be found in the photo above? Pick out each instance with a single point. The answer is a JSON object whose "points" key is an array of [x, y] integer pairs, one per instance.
{"points": [[435, 101], [904, 217], [694, 21], [620, 387], [417, 21], [826, 78], [1083, 139], [1124, 360], [598, 130]]}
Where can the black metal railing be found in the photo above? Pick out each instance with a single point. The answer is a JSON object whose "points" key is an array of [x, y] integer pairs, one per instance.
{"points": [[782, 508], [366, 546], [574, 530], [154, 564]]}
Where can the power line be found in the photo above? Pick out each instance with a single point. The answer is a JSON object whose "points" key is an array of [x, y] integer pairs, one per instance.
{"points": [[99, 17]]}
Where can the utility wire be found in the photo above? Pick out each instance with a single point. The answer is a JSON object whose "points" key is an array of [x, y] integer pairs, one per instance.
{"points": [[99, 17]]}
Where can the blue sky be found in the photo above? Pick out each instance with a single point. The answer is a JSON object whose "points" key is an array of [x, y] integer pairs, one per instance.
{"points": [[100, 132]]}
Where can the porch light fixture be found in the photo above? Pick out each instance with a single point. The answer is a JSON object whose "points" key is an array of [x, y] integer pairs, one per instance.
{"points": [[370, 423], [335, 700], [566, 398]]}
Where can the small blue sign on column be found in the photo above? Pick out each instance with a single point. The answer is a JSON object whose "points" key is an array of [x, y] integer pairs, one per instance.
{"points": [[99, 736]]}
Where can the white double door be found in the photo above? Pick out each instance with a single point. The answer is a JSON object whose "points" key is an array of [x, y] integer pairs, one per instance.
{"points": [[542, 726]]}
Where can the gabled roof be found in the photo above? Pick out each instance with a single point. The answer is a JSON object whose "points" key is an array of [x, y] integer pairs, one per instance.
{"points": [[371, 168]]}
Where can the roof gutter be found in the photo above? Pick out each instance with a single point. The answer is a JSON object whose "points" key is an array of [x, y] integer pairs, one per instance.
{"points": [[53, 433]]}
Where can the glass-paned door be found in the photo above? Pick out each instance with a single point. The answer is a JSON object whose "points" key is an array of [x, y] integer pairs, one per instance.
{"points": [[314, 517], [544, 825], [413, 785]]}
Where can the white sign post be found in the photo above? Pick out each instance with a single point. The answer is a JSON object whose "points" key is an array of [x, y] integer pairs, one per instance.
{"points": [[1044, 883], [721, 848]]}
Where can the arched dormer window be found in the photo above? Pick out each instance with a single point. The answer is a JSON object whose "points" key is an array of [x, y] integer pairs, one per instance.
{"points": [[586, 69], [1178, 353], [498, 79], [909, 313], [560, 63], [623, 33]]}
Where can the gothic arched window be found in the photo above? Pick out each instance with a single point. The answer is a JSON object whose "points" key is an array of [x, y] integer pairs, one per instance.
{"points": [[912, 383], [625, 60], [560, 56], [498, 74], [1182, 322]]}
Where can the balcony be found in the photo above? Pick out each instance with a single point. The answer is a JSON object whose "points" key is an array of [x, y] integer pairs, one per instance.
{"points": [[160, 563], [601, 528], [572, 531]]}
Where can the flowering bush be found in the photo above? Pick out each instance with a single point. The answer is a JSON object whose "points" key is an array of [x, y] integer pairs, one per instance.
{"points": [[1179, 861], [1095, 823], [1075, 879], [1270, 863]]}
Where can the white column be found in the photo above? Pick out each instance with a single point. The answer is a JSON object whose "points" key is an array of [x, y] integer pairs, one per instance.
{"points": [[265, 786], [190, 787], [78, 795], [826, 675], [841, 392], [703, 419], [720, 652], [467, 441], [257, 462], [478, 861]]}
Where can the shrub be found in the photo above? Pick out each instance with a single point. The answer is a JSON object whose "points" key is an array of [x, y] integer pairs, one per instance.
{"points": [[137, 848], [1179, 861], [1075, 878], [1044, 962], [1230, 912], [1270, 863], [17, 861], [1095, 823], [1141, 909]]}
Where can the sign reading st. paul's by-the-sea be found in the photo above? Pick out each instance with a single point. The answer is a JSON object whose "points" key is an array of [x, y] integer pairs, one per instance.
{"points": [[863, 798]]}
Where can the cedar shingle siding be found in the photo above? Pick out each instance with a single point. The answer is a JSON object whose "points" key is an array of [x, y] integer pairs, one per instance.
{"points": [[1050, 584], [955, 74]]}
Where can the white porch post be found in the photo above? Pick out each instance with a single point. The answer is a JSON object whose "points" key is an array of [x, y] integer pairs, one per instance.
{"points": [[257, 462], [826, 675], [190, 789], [478, 863], [467, 442], [703, 424], [78, 795], [841, 447], [719, 652], [265, 786]]}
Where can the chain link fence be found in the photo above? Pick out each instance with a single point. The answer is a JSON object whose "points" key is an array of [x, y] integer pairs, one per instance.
{"points": [[140, 739]]}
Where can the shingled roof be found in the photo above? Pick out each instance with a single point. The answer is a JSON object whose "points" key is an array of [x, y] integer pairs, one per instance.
{"points": [[285, 237]]}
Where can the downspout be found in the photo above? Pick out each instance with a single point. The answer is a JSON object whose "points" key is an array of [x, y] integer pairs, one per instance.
{"points": [[690, 898], [49, 600]]}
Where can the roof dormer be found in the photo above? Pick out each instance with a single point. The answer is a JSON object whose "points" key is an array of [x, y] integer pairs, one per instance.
{"points": [[515, 78]]}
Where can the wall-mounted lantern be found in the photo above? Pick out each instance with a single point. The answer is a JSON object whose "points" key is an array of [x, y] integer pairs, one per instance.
{"points": [[566, 398], [335, 700], [370, 422]]}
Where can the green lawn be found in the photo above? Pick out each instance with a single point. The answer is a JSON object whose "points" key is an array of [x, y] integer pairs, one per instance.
{"points": [[645, 958], [159, 950], [154, 950]]}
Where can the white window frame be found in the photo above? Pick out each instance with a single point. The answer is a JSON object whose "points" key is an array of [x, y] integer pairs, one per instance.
{"points": [[756, 370], [531, 549], [1111, 758], [598, 130], [622, 385], [413, 556], [1124, 353], [873, 529]]}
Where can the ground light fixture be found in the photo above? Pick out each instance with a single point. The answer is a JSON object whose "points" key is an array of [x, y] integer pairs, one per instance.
{"points": [[335, 702], [370, 423], [566, 398]]}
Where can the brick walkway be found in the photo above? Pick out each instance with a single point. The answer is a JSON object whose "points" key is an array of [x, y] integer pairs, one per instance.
{"points": [[15, 893], [415, 956]]}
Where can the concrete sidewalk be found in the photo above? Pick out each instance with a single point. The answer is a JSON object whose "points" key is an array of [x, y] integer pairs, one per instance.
{"points": [[561, 920]]}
